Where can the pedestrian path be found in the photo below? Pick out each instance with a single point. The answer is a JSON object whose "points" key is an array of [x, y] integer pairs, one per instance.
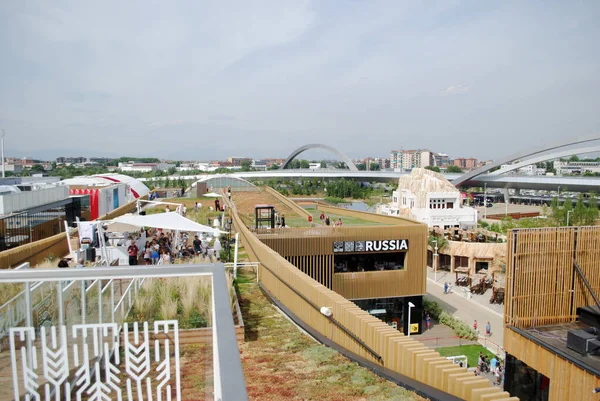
{"points": [[468, 311]]}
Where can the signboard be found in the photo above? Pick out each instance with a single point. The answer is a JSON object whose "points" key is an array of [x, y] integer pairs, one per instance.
{"points": [[371, 246], [414, 328]]}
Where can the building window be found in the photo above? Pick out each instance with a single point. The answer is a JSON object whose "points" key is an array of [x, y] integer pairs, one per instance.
{"points": [[525, 382], [450, 205]]}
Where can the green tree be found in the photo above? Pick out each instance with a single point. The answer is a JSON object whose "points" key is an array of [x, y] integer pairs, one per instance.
{"points": [[37, 168], [453, 169], [433, 168], [274, 167], [246, 165], [579, 214], [574, 158], [323, 164], [304, 164], [361, 166], [592, 209], [374, 167]]}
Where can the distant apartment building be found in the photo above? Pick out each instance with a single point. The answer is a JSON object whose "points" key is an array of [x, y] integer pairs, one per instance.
{"points": [[419, 158], [237, 161], [530, 170], [465, 164], [579, 167], [395, 159], [441, 160], [71, 160]]}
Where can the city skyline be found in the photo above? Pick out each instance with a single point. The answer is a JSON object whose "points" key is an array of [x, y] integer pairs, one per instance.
{"points": [[212, 80]]}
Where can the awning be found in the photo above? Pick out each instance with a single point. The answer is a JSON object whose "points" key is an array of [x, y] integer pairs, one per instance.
{"points": [[212, 195], [166, 221]]}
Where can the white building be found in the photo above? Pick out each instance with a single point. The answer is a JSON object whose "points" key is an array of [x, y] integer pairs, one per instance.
{"points": [[144, 167], [579, 167], [427, 197]]}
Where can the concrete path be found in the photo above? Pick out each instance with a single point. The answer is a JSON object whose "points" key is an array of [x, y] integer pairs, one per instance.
{"points": [[468, 311]]}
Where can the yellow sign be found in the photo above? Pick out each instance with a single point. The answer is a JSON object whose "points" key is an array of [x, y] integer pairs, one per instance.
{"points": [[414, 327]]}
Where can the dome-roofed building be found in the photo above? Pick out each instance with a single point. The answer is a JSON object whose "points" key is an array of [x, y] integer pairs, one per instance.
{"points": [[427, 197]]}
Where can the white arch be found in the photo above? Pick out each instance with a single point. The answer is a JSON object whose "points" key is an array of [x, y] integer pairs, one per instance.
{"points": [[301, 149], [547, 156]]}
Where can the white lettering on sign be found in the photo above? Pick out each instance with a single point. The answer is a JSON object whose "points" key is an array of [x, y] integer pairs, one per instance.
{"points": [[385, 245]]}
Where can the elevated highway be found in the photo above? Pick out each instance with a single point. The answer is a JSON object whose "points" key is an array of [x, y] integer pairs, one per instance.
{"points": [[548, 183]]}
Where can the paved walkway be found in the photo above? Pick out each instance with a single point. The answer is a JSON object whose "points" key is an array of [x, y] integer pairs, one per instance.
{"points": [[469, 310], [483, 300]]}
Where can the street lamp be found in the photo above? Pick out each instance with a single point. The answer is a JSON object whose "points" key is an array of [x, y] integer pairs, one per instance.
{"points": [[485, 201], [2, 146], [435, 254], [410, 306], [568, 214]]}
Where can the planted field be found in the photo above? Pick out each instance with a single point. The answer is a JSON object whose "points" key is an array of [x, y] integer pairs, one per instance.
{"points": [[246, 201], [282, 363]]}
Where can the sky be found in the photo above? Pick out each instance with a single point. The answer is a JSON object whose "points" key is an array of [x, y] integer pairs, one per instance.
{"points": [[198, 80]]}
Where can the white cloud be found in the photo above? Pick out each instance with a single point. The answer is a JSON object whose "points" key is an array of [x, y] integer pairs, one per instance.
{"points": [[456, 89]]}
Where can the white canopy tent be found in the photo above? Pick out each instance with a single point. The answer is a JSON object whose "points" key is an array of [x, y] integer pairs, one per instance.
{"points": [[212, 195], [166, 221]]}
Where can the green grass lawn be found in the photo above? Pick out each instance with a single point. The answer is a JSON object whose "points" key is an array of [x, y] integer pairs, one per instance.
{"points": [[346, 221], [470, 351]]}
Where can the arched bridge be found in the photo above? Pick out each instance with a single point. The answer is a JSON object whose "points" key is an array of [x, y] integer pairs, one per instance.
{"points": [[301, 149], [532, 157]]}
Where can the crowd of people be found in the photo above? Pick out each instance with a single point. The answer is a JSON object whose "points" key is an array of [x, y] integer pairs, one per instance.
{"points": [[164, 248]]}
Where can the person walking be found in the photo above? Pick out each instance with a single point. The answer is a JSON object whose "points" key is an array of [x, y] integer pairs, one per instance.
{"points": [[488, 329], [427, 321], [283, 221], [196, 207], [327, 221], [446, 287], [475, 326]]}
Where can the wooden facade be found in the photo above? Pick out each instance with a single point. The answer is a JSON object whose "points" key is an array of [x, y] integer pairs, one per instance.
{"points": [[541, 283], [311, 250], [543, 289], [379, 343], [567, 381]]}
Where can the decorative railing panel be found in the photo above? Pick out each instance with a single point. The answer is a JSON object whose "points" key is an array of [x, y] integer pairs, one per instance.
{"points": [[85, 362]]}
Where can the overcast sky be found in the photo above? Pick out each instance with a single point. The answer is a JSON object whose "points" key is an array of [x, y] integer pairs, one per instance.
{"points": [[204, 80]]}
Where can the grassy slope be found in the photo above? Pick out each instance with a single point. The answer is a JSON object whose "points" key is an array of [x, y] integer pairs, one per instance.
{"points": [[346, 221], [281, 363]]}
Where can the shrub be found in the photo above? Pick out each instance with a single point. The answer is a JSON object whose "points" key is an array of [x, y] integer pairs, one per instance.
{"points": [[433, 308], [461, 329]]}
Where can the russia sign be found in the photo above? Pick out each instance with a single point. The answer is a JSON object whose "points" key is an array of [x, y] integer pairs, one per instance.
{"points": [[371, 246]]}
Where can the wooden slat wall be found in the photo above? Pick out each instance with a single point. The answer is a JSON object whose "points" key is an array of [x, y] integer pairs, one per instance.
{"points": [[311, 250], [399, 353], [541, 285], [567, 381]]}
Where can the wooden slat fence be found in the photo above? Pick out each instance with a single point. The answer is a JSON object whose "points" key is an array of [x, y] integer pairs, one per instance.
{"points": [[542, 287]]}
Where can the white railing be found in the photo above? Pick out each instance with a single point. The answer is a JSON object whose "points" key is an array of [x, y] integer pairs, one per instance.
{"points": [[79, 344]]}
